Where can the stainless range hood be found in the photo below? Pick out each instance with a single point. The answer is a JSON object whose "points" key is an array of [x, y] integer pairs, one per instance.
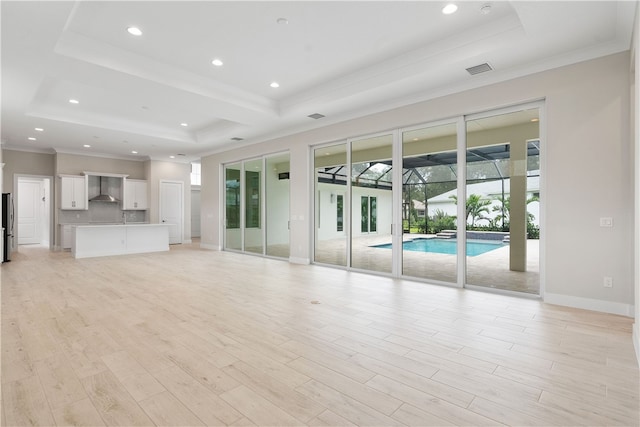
{"points": [[104, 196]]}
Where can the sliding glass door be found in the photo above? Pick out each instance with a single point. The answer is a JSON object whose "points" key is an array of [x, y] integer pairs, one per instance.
{"points": [[257, 206], [372, 203], [331, 204], [277, 205], [454, 202], [502, 201], [429, 186], [232, 198]]}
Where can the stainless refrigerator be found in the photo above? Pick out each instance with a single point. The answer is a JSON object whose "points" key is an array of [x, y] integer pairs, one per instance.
{"points": [[7, 226]]}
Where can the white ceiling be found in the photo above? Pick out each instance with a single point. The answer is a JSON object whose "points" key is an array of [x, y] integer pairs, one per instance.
{"points": [[340, 59]]}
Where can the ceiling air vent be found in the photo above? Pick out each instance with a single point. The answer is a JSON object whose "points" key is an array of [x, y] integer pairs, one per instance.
{"points": [[316, 116], [482, 68], [237, 138]]}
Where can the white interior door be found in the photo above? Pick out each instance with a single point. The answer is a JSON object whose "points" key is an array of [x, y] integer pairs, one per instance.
{"points": [[30, 211], [171, 209]]}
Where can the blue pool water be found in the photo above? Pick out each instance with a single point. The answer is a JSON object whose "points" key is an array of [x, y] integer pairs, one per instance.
{"points": [[440, 246]]}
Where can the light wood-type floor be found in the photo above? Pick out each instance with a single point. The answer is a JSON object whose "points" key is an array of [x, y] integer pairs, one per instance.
{"points": [[196, 337]]}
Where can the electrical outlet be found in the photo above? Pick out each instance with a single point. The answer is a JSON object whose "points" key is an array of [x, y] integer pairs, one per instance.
{"points": [[608, 282]]}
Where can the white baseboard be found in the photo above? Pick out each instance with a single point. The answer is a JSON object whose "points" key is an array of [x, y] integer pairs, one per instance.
{"points": [[294, 260], [210, 246], [590, 304]]}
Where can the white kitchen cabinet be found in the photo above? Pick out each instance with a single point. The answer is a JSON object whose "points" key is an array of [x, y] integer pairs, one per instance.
{"points": [[135, 194], [73, 192], [66, 236]]}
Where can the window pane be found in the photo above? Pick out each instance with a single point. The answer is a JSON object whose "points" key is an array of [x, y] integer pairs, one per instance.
{"points": [[372, 205], [373, 215], [429, 170], [330, 166], [364, 214], [501, 206], [277, 205], [233, 236], [253, 234]]}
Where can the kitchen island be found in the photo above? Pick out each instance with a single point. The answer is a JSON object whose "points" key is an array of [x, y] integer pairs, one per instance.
{"points": [[118, 239]]}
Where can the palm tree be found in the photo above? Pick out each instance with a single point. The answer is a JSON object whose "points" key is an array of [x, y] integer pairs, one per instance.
{"points": [[475, 207], [505, 208]]}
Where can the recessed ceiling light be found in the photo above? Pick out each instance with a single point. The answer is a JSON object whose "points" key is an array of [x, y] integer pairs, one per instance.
{"points": [[217, 62], [86, 146], [39, 129], [535, 119], [31, 138], [172, 157], [274, 84], [184, 124], [134, 31], [486, 9], [134, 152], [74, 101], [282, 21], [449, 9]]}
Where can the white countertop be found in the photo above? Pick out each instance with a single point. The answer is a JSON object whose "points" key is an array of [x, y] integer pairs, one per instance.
{"points": [[129, 224]]}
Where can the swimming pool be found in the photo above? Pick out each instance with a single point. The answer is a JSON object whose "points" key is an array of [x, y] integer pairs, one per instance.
{"points": [[441, 246]]}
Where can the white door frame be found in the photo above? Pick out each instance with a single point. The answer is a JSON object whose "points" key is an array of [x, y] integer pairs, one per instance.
{"points": [[181, 205], [51, 210]]}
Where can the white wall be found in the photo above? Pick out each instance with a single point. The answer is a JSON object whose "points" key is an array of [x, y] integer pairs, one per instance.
{"points": [[587, 167]]}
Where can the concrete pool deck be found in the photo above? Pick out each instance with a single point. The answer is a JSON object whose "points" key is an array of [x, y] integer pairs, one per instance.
{"points": [[490, 269]]}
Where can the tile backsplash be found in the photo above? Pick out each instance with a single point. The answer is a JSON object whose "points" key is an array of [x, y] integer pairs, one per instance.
{"points": [[101, 212]]}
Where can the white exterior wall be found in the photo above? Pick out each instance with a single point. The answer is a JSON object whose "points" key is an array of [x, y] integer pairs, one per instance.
{"points": [[329, 213]]}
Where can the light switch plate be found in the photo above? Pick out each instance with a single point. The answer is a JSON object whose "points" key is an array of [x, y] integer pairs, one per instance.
{"points": [[606, 222]]}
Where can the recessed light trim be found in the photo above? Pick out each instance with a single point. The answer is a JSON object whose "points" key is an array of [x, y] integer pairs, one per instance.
{"points": [[172, 157], [39, 129], [282, 21], [184, 124], [535, 119], [134, 31], [86, 146], [449, 9], [134, 152], [275, 85], [74, 101], [217, 62], [31, 138]]}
